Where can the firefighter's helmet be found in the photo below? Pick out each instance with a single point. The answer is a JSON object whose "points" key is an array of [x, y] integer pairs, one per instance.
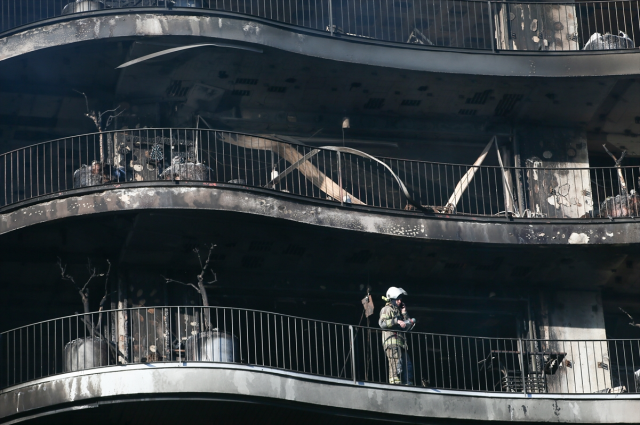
{"points": [[393, 293]]}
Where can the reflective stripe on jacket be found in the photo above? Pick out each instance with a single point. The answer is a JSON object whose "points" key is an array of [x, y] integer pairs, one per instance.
{"points": [[389, 317]]}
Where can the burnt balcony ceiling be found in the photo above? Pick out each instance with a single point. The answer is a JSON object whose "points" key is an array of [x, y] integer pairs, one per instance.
{"points": [[174, 410], [278, 92], [271, 263], [263, 264]]}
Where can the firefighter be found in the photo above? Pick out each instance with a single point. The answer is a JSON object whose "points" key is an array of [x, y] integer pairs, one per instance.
{"points": [[394, 318]]}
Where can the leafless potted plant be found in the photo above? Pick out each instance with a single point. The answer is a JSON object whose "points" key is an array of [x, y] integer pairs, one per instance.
{"points": [[100, 170], [207, 344], [90, 349]]}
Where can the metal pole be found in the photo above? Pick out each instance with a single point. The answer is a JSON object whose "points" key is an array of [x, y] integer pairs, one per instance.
{"points": [[532, 336], [180, 337], [196, 141], [331, 18], [353, 354], [340, 177], [521, 351]]}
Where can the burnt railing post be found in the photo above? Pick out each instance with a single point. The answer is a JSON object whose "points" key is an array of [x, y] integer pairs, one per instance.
{"points": [[178, 326], [340, 178], [522, 365], [353, 353], [331, 18]]}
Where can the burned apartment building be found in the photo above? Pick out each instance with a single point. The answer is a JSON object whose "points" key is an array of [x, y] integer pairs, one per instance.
{"points": [[203, 201]]}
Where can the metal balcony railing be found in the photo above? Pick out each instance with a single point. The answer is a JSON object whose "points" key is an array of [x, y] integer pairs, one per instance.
{"points": [[481, 25], [315, 348], [341, 175]]}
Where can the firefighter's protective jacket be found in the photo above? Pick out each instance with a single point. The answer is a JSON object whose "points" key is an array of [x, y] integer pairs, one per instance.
{"points": [[389, 317]]}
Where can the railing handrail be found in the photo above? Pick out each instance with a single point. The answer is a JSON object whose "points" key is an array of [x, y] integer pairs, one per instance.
{"points": [[499, 35], [322, 148], [506, 167], [289, 316], [233, 308], [169, 306], [345, 175], [124, 130], [170, 334]]}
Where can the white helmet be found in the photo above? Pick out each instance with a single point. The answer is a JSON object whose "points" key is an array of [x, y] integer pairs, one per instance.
{"points": [[393, 292]]}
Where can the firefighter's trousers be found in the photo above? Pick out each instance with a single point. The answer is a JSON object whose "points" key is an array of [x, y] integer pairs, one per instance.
{"points": [[400, 366]]}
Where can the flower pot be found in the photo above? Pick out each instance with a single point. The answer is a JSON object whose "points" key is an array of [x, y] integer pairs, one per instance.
{"points": [[86, 353], [213, 346]]}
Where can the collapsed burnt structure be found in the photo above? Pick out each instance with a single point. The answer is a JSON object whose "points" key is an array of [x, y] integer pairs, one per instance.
{"points": [[295, 157]]}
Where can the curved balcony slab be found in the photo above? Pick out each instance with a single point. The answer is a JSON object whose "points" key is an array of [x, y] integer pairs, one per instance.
{"points": [[279, 205], [209, 26], [190, 381]]}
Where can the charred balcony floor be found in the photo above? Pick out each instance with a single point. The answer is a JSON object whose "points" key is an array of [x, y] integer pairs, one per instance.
{"points": [[186, 355]]}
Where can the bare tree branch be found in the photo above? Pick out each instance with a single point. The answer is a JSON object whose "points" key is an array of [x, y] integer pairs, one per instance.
{"points": [[167, 280], [63, 271], [206, 264], [97, 117], [86, 100], [92, 271], [84, 294], [84, 290], [623, 184], [215, 278], [203, 291], [617, 161], [111, 117], [200, 286], [197, 251], [112, 110], [105, 296], [106, 282], [633, 322]]}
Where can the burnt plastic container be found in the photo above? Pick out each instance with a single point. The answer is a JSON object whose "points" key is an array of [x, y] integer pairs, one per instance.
{"points": [[82, 6], [213, 346], [86, 353]]}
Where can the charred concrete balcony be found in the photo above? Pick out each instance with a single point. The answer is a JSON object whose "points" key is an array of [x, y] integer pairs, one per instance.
{"points": [[340, 177], [84, 366], [493, 25], [561, 39]]}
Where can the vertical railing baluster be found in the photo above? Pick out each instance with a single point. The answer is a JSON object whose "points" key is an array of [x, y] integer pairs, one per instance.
{"points": [[353, 355]]}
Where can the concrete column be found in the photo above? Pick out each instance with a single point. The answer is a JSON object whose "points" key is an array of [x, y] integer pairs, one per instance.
{"points": [[539, 27], [123, 319], [149, 336], [557, 181], [573, 323]]}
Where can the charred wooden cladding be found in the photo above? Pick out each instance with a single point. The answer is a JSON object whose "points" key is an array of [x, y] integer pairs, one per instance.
{"points": [[342, 175], [492, 25], [352, 353]]}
